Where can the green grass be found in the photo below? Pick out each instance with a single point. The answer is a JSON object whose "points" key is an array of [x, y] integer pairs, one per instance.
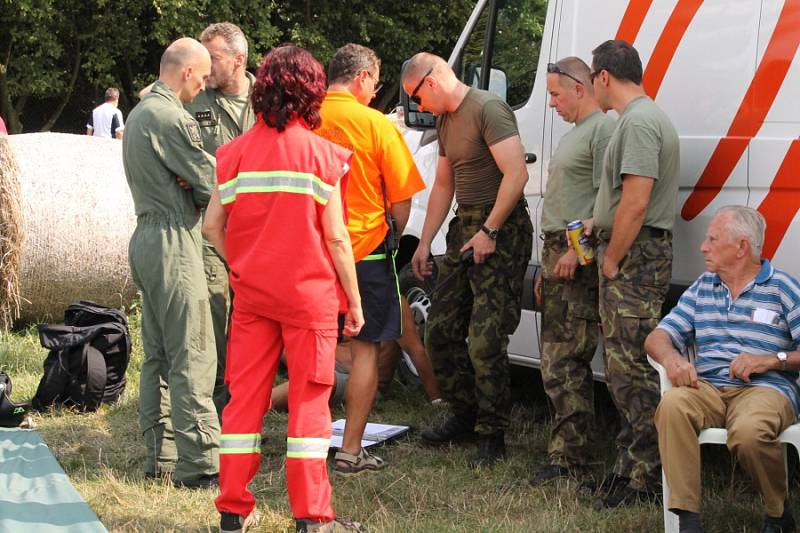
{"points": [[422, 489]]}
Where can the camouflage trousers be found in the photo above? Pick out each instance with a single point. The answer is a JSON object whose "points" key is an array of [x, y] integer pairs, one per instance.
{"points": [[630, 308], [480, 302], [569, 341]]}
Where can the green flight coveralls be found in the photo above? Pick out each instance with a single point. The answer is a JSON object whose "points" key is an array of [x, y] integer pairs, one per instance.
{"points": [[176, 413], [221, 119]]}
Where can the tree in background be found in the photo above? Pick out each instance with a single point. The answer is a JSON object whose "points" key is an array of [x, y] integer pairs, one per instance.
{"points": [[58, 56]]}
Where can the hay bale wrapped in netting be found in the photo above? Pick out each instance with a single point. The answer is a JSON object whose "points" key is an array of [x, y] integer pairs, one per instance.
{"points": [[10, 234], [77, 218]]}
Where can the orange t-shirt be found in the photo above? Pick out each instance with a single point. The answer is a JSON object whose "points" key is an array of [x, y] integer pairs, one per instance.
{"points": [[379, 151]]}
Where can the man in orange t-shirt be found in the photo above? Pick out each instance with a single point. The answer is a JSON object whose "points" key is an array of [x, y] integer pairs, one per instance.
{"points": [[383, 178]]}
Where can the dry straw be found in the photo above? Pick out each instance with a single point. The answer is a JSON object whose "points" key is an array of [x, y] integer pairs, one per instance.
{"points": [[77, 218], [10, 234]]}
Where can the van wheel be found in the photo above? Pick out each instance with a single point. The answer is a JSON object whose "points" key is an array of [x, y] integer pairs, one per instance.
{"points": [[417, 294]]}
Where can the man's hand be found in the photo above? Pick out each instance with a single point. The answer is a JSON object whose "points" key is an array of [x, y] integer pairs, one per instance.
{"points": [[537, 288], [185, 185], [567, 265], [353, 321], [481, 245], [681, 372], [420, 263], [747, 364], [610, 268], [588, 226]]}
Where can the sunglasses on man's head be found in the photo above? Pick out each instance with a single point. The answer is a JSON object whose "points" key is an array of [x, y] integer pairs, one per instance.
{"points": [[414, 98], [552, 68]]}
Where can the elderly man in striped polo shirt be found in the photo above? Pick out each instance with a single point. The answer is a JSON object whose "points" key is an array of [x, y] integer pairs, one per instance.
{"points": [[743, 315]]}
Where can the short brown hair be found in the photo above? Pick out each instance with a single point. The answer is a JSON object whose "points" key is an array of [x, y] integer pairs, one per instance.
{"points": [[112, 93], [349, 60]]}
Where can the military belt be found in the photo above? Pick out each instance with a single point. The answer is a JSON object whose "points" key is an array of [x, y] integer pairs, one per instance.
{"points": [[645, 233]]}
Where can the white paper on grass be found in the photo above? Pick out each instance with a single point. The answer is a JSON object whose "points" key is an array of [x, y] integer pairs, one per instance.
{"points": [[373, 433]]}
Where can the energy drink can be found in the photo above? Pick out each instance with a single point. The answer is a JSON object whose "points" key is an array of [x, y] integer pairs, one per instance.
{"points": [[580, 242]]}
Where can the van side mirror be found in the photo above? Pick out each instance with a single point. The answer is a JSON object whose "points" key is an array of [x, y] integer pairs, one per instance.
{"points": [[412, 116]]}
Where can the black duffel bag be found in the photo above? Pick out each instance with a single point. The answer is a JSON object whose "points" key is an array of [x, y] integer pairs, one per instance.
{"points": [[88, 357]]}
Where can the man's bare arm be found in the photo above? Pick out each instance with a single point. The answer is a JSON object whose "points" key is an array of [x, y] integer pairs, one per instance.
{"points": [[628, 220], [400, 213], [680, 371], [510, 159]]}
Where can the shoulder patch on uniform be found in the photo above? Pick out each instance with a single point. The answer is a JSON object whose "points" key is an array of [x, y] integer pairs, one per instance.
{"points": [[194, 131]]}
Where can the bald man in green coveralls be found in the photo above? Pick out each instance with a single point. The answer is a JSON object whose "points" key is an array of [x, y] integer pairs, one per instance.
{"points": [[162, 142]]}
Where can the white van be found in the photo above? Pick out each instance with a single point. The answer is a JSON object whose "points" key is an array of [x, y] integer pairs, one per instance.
{"points": [[726, 73]]}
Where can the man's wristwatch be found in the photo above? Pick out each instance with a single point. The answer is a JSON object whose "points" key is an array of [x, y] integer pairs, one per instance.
{"points": [[782, 357], [492, 233]]}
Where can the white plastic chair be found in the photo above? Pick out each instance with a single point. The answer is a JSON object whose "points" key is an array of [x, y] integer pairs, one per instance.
{"points": [[790, 435]]}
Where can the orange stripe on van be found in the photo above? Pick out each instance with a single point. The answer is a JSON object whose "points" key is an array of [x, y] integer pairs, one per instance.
{"points": [[782, 201], [753, 109], [667, 44], [632, 20]]}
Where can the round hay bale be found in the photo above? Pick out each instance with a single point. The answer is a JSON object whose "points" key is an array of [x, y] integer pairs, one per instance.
{"points": [[10, 234], [77, 218]]}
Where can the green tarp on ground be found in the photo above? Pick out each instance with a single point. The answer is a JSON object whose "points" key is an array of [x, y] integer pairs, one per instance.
{"points": [[35, 493]]}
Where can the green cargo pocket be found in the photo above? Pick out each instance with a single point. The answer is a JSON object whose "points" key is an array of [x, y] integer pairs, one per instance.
{"points": [[207, 435], [639, 301]]}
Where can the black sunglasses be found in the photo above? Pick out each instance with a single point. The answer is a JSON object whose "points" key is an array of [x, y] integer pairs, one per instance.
{"points": [[414, 98], [552, 68]]}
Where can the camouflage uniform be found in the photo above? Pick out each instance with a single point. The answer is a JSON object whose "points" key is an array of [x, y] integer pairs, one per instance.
{"points": [[630, 308], [482, 302], [569, 338]]}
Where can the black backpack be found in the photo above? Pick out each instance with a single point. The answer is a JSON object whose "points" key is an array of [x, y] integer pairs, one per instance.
{"points": [[88, 358]]}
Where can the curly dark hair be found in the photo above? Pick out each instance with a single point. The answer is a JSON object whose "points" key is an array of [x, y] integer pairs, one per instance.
{"points": [[290, 84]]}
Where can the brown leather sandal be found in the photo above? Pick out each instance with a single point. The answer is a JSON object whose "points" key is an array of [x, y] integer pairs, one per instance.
{"points": [[348, 464]]}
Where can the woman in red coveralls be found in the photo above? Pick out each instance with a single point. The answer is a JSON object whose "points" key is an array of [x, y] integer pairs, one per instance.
{"points": [[277, 218]]}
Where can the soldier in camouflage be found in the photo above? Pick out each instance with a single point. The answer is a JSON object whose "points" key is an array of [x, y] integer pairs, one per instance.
{"points": [[633, 216], [566, 290], [481, 163]]}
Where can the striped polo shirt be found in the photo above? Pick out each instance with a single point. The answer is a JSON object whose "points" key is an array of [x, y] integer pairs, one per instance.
{"points": [[764, 319]]}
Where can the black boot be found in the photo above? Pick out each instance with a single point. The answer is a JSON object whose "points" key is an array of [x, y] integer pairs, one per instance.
{"points": [[782, 524], [491, 448], [689, 522], [454, 429]]}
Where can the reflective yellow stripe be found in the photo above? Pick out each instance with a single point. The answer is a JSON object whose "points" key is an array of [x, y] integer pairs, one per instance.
{"points": [[374, 257], [240, 443], [275, 181], [307, 448]]}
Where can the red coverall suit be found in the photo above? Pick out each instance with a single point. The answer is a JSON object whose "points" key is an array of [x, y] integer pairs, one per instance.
{"points": [[274, 188]]}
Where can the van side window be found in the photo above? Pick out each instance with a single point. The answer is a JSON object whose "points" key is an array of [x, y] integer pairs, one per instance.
{"points": [[515, 52]]}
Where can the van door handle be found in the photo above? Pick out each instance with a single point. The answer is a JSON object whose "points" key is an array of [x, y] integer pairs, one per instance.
{"points": [[530, 158]]}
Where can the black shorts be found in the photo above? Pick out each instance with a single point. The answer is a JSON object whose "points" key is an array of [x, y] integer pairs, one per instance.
{"points": [[380, 297]]}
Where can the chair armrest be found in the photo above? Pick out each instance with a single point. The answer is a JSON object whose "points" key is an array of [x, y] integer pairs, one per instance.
{"points": [[664, 381]]}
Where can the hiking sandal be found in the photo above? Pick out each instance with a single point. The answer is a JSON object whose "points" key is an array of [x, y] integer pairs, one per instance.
{"points": [[349, 464]]}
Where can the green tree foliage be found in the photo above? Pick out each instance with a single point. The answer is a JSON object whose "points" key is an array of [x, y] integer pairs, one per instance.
{"points": [[58, 56]]}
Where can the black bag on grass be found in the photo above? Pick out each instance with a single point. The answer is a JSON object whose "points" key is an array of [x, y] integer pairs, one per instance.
{"points": [[88, 358], [11, 414]]}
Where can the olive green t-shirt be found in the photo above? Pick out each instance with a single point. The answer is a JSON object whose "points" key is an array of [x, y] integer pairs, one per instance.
{"points": [[574, 172], [644, 143], [222, 118], [465, 135]]}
